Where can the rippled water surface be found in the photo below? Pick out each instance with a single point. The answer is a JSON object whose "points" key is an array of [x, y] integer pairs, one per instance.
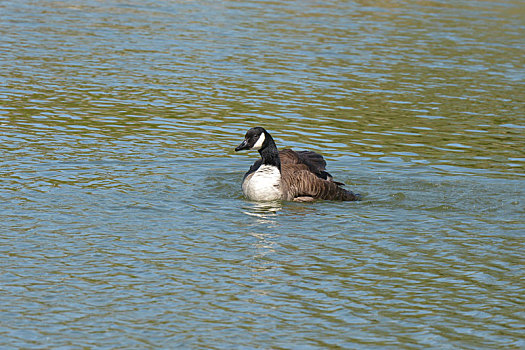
{"points": [[122, 220]]}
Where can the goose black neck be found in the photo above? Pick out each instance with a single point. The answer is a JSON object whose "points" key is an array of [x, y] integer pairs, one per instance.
{"points": [[269, 153]]}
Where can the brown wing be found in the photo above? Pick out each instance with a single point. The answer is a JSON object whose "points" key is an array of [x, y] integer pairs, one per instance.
{"points": [[305, 157], [313, 161], [299, 181]]}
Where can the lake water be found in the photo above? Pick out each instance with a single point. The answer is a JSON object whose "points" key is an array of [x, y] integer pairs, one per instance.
{"points": [[122, 220]]}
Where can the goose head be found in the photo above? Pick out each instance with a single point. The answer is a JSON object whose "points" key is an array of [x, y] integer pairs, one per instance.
{"points": [[255, 139]]}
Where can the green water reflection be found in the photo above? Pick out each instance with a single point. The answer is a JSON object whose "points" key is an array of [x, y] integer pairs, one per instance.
{"points": [[123, 224]]}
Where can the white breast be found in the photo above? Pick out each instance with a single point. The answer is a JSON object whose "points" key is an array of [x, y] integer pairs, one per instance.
{"points": [[264, 184]]}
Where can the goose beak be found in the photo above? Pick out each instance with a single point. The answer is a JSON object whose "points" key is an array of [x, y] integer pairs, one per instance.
{"points": [[243, 145]]}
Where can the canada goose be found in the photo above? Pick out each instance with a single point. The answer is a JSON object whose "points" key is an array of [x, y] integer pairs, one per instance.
{"points": [[286, 174]]}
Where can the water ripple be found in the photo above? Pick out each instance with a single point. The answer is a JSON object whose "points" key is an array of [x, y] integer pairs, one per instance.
{"points": [[122, 214]]}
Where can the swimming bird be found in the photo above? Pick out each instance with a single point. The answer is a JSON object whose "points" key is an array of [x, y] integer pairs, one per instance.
{"points": [[287, 174]]}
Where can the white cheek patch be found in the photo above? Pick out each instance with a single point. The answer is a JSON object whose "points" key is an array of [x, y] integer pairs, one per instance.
{"points": [[259, 142]]}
